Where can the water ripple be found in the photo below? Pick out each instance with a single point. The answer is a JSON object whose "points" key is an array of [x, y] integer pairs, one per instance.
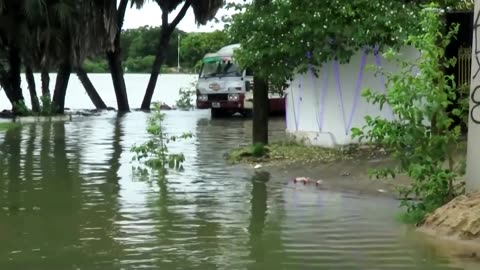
{"points": [[69, 200]]}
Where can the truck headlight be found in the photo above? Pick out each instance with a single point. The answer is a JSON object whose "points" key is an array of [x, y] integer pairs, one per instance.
{"points": [[202, 97], [233, 97]]}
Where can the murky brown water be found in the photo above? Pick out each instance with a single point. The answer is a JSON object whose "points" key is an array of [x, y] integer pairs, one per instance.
{"points": [[68, 200]]}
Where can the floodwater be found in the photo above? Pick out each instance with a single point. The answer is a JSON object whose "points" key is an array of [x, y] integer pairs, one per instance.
{"points": [[69, 200]]}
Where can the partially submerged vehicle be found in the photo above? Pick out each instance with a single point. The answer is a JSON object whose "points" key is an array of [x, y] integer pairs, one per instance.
{"points": [[226, 89]]}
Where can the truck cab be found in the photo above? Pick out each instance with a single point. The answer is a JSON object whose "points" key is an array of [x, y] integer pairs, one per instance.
{"points": [[224, 88]]}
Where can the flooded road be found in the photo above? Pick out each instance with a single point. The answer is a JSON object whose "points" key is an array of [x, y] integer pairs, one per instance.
{"points": [[69, 200]]}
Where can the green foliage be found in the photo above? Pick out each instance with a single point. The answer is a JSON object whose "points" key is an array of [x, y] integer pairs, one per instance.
{"points": [[259, 150], [275, 37], [288, 152], [414, 217], [22, 109], [7, 125], [142, 42], [195, 45], [139, 46], [98, 65], [421, 136], [140, 64], [46, 106], [185, 100], [154, 153]]}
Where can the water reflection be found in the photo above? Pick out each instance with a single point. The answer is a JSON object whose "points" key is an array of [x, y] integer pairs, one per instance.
{"points": [[68, 200], [258, 215]]}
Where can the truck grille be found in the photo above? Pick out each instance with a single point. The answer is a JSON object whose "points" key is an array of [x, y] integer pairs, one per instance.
{"points": [[217, 97]]}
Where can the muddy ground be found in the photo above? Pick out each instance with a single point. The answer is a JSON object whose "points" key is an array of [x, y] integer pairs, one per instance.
{"points": [[454, 229], [346, 176]]}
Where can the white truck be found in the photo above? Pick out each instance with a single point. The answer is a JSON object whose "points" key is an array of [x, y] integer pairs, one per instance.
{"points": [[225, 89]]}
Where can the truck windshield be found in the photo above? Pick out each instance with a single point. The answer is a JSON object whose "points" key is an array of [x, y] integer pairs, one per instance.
{"points": [[220, 69]]}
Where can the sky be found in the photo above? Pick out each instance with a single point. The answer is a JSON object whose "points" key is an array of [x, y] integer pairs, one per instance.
{"points": [[150, 15]]}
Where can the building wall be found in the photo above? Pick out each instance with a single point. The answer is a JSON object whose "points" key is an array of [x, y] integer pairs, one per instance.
{"points": [[314, 112]]}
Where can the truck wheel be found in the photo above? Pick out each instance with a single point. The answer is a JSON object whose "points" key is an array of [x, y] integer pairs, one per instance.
{"points": [[247, 113], [216, 113]]}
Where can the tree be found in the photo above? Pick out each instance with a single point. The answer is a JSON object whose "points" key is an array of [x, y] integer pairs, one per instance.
{"points": [[114, 55], [83, 31], [90, 89], [195, 45], [45, 35], [276, 36], [204, 10], [13, 20]]}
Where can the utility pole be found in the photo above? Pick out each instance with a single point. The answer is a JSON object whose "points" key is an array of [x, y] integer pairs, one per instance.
{"points": [[178, 52], [473, 148]]}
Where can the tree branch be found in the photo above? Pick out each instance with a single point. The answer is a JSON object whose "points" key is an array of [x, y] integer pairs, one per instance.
{"points": [[121, 13], [180, 15]]}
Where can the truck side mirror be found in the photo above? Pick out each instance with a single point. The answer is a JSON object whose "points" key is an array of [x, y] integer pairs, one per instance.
{"points": [[247, 86]]}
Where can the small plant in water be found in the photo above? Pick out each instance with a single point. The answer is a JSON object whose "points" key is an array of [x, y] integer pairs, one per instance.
{"points": [[154, 153], [421, 136], [185, 100]]}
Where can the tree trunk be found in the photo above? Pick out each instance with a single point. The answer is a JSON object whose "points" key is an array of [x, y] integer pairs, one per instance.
{"points": [[114, 58], [61, 85], [90, 89], [16, 96], [116, 70], [45, 82], [167, 30], [260, 111], [32, 89], [157, 64]]}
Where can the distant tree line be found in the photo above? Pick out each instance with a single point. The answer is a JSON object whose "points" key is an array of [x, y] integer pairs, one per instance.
{"points": [[139, 47]]}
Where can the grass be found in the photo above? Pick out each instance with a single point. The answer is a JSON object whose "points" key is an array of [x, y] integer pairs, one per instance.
{"points": [[7, 125], [412, 218], [292, 152]]}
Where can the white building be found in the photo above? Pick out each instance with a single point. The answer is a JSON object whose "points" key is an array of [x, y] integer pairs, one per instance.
{"points": [[322, 110]]}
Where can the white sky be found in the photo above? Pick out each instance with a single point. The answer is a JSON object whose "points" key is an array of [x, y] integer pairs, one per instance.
{"points": [[150, 15]]}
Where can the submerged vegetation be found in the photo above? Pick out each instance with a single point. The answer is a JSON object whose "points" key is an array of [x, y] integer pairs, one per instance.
{"points": [[154, 153], [186, 94], [7, 125]]}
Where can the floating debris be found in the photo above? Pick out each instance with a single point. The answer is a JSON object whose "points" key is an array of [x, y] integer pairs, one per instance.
{"points": [[303, 180]]}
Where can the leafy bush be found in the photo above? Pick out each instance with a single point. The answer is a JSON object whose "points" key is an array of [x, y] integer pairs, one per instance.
{"points": [[154, 153], [140, 64], [259, 150], [46, 106], [185, 101], [421, 136], [96, 66]]}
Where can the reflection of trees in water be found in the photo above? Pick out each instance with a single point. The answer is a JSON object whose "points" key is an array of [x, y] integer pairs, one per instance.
{"points": [[50, 207], [112, 177], [265, 243], [258, 215], [100, 202], [185, 235], [10, 170]]}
